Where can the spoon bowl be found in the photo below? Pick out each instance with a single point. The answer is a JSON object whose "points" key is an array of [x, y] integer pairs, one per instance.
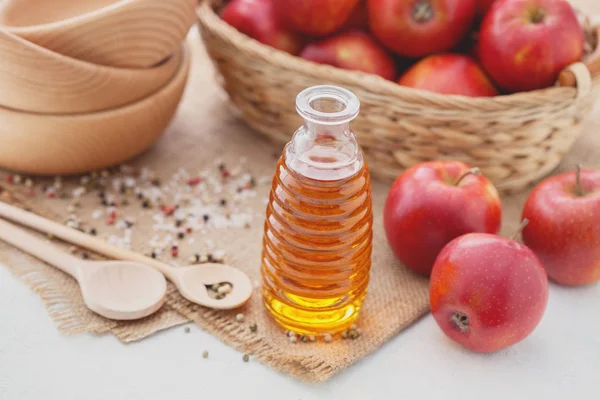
{"points": [[118, 33], [113, 289], [192, 282], [122, 290]]}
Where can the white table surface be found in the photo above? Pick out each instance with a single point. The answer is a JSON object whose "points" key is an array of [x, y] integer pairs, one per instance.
{"points": [[560, 360]]}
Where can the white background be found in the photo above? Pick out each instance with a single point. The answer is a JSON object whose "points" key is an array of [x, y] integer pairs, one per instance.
{"points": [[560, 360]]}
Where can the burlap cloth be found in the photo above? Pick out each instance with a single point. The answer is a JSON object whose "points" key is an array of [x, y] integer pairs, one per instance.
{"points": [[204, 133]]}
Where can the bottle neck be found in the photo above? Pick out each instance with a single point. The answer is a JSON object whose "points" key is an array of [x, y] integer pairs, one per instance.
{"points": [[333, 133], [324, 152], [325, 148]]}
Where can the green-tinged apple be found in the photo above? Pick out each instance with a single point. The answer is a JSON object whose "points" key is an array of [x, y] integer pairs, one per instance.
{"points": [[525, 44], [564, 227], [434, 202]]}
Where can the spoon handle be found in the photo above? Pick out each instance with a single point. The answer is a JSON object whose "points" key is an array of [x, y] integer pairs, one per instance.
{"points": [[73, 236], [39, 248]]}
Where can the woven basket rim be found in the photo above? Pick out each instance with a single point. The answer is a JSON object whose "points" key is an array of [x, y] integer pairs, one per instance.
{"points": [[209, 19]]}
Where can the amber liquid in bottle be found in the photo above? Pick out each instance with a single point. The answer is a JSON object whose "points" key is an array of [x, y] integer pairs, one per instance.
{"points": [[318, 230]]}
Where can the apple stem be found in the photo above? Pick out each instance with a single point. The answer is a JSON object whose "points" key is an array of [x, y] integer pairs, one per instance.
{"points": [[472, 171], [524, 223], [538, 15], [578, 188], [422, 11], [461, 321]]}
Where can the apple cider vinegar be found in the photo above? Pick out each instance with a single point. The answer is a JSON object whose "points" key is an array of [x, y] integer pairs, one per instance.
{"points": [[318, 229]]}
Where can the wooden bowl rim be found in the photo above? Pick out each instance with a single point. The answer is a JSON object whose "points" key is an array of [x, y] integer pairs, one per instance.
{"points": [[69, 60], [179, 78], [67, 22]]}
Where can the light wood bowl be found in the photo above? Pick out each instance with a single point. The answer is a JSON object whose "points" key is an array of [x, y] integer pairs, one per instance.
{"points": [[118, 33], [72, 144], [38, 80]]}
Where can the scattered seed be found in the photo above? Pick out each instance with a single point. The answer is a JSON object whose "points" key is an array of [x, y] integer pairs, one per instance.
{"points": [[345, 335], [246, 358], [85, 256], [93, 232], [180, 235], [312, 338], [187, 329], [28, 183], [328, 338], [205, 354], [303, 338], [293, 339], [239, 317], [291, 334], [224, 289], [50, 236], [17, 179], [219, 296], [153, 254], [253, 328]]}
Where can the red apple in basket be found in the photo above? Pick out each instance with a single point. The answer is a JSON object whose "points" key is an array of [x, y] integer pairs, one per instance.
{"points": [[257, 19], [416, 28], [525, 44], [359, 18], [483, 6], [314, 17], [449, 74], [564, 227], [352, 50], [487, 292], [434, 202]]}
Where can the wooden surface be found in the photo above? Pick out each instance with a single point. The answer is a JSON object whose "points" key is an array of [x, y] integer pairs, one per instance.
{"points": [[38, 80], [70, 144], [114, 289], [125, 33]]}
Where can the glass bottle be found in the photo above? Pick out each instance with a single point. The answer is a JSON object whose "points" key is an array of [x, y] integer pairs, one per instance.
{"points": [[318, 230]]}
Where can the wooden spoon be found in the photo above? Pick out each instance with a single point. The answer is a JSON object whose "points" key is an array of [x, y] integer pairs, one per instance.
{"points": [[114, 289], [191, 281], [118, 33]]}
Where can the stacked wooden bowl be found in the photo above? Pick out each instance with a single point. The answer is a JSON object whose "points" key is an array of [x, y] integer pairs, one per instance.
{"points": [[88, 84]]}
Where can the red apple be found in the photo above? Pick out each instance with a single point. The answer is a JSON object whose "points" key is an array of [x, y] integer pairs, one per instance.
{"points": [[449, 74], [359, 18], [314, 17], [483, 6], [564, 227], [487, 292], [434, 202], [416, 28], [352, 50], [257, 19], [525, 44]]}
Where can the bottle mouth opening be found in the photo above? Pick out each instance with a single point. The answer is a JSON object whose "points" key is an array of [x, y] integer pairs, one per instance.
{"points": [[327, 105]]}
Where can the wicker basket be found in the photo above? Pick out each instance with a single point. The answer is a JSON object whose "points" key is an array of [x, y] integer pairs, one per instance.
{"points": [[515, 139]]}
